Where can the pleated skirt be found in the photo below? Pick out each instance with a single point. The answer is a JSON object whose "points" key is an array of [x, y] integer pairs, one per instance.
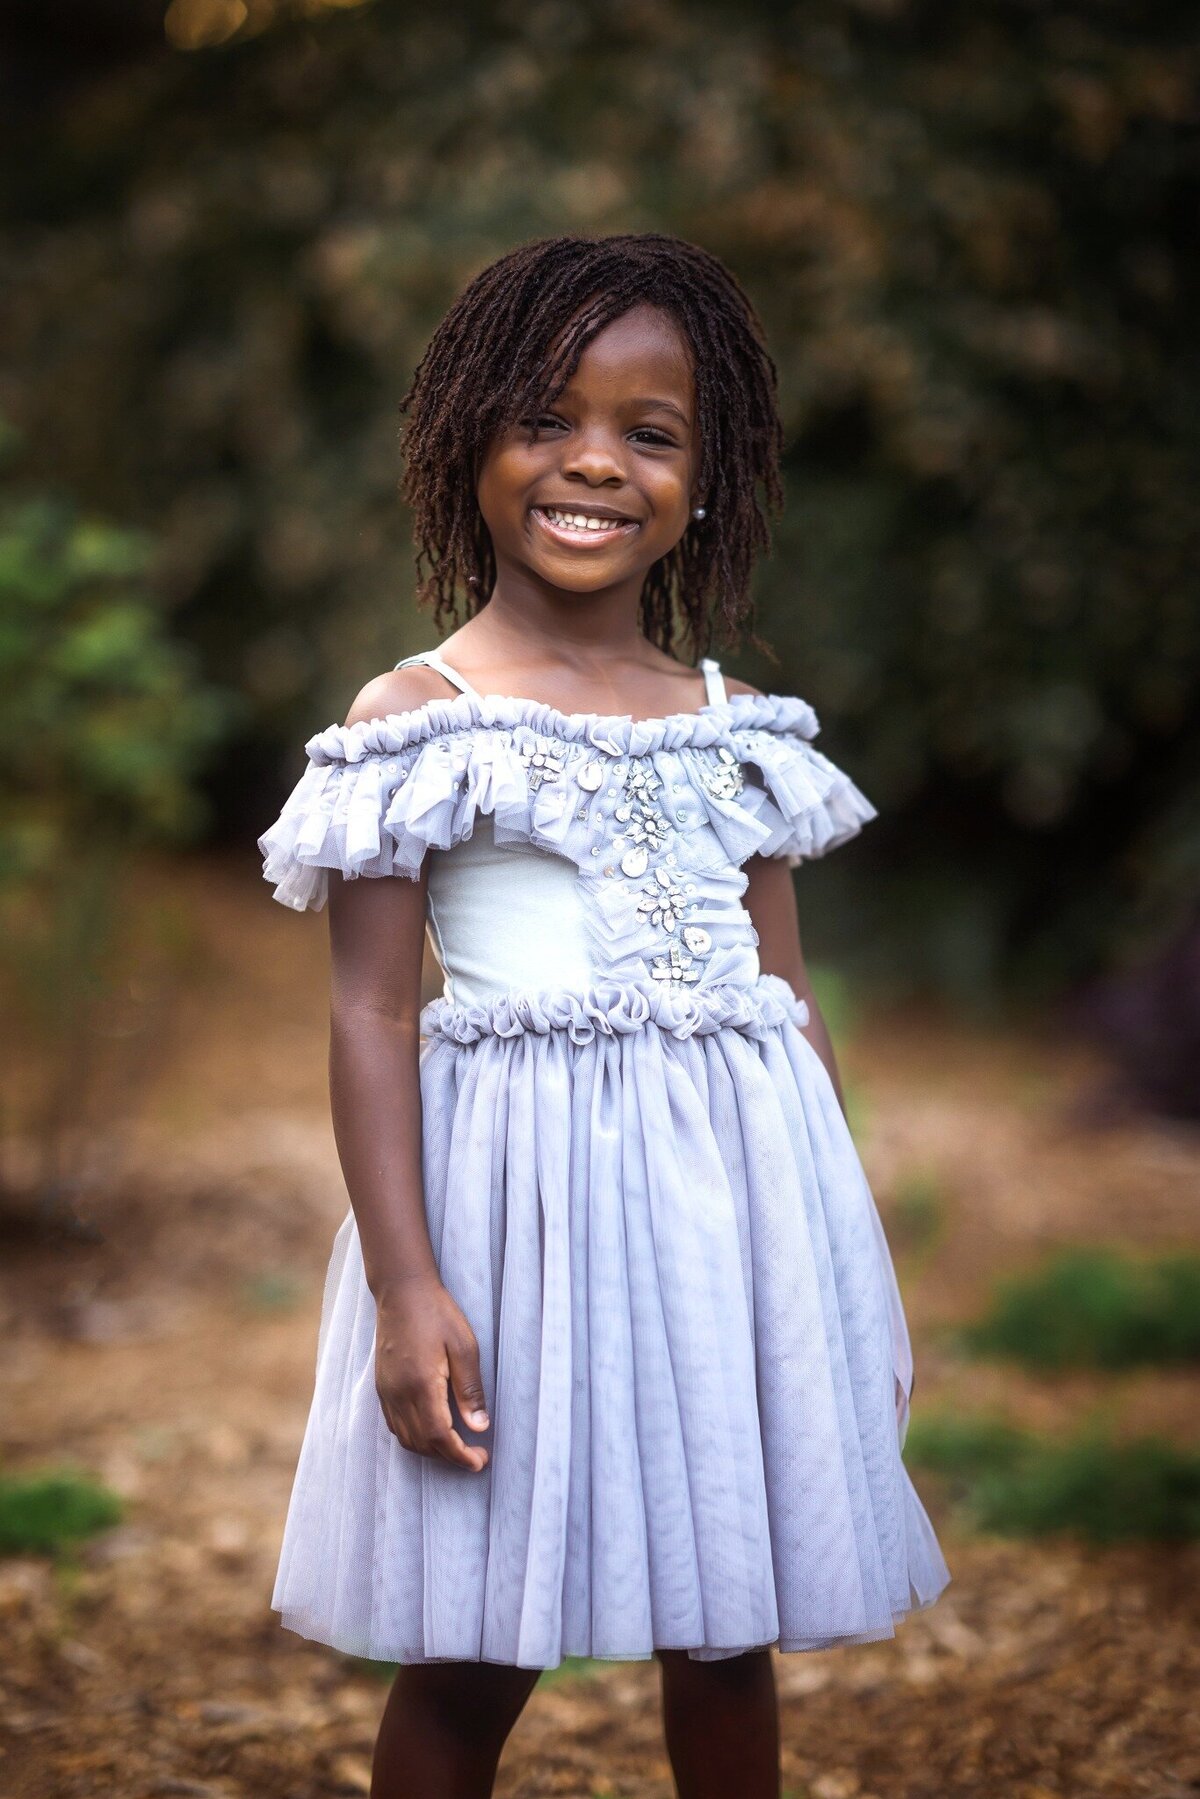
{"points": [[691, 1344]]}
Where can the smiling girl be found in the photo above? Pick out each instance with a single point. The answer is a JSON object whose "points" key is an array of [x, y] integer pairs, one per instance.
{"points": [[612, 1360]]}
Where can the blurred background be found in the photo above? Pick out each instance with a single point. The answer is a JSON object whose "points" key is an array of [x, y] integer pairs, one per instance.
{"points": [[227, 229]]}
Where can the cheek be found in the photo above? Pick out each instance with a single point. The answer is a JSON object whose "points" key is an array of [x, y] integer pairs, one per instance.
{"points": [[507, 474], [667, 489]]}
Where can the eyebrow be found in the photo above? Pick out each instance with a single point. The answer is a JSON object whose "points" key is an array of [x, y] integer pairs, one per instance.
{"points": [[664, 406]]}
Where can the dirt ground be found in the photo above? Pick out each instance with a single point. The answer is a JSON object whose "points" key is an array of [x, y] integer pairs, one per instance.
{"points": [[173, 1359]]}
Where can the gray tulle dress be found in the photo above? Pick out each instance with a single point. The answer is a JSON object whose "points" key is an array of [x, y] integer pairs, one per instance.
{"points": [[641, 1191]]}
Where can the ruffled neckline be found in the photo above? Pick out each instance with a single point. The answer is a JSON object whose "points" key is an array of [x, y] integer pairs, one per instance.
{"points": [[615, 733]]}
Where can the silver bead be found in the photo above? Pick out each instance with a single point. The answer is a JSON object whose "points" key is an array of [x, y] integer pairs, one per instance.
{"points": [[591, 776], [697, 940], [634, 861]]}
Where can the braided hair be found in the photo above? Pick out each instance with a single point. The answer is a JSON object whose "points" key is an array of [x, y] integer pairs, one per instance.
{"points": [[507, 348]]}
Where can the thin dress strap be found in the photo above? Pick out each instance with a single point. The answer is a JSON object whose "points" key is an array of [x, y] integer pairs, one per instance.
{"points": [[433, 660], [714, 682]]}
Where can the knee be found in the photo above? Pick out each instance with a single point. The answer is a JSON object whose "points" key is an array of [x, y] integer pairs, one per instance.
{"points": [[475, 1704]]}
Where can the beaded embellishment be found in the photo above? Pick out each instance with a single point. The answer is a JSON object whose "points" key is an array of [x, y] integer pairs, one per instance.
{"points": [[542, 761], [726, 780]]}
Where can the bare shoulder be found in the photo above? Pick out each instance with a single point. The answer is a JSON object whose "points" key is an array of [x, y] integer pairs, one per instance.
{"points": [[399, 690], [684, 675]]}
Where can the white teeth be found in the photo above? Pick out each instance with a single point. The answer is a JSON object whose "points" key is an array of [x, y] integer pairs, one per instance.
{"points": [[580, 521]]}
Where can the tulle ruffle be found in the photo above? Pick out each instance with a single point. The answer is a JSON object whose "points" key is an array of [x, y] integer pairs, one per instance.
{"points": [[610, 733], [377, 795], [616, 1008], [691, 1347]]}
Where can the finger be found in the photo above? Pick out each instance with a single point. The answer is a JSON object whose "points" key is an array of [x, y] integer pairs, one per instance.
{"points": [[450, 1447], [397, 1424], [440, 1437], [466, 1382]]}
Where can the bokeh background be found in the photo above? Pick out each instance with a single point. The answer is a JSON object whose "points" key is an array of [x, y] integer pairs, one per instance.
{"points": [[227, 228]]}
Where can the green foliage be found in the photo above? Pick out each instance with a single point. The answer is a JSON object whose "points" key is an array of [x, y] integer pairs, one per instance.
{"points": [[107, 726], [105, 720], [1094, 1308], [1016, 1483], [962, 227], [48, 1513], [834, 996]]}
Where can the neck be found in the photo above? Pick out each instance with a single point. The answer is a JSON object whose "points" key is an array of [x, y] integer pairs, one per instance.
{"points": [[572, 630]]}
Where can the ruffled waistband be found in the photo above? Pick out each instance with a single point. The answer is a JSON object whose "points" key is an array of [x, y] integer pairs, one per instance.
{"points": [[618, 1008]]}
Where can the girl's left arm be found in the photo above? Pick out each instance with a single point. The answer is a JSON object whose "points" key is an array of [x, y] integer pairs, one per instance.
{"points": [[770, 899]]}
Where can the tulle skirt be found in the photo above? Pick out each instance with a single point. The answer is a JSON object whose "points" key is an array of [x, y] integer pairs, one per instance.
{"points": [[649, 1207]]}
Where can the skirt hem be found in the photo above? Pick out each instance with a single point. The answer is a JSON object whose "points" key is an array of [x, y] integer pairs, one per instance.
{"points": [[334, 1639]]}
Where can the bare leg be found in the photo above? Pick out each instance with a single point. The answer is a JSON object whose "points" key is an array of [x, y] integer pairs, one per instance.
{"points": [[721, 1721], [443, 1728]]}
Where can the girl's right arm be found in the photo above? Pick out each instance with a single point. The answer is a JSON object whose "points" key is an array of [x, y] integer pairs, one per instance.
{"points": [[424, 1343]]}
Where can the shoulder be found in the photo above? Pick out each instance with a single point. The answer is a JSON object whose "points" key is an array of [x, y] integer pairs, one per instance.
{"points": [[732, 685], [399, 690]]}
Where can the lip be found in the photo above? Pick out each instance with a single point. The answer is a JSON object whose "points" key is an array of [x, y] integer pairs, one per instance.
{"points": [[617, 528]]}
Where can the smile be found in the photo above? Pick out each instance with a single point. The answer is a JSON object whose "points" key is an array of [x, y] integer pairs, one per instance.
{"points": [[583, 528]]}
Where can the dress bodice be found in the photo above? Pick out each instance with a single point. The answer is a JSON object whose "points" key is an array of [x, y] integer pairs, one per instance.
{"points": [[501, 917], [573, 849]]}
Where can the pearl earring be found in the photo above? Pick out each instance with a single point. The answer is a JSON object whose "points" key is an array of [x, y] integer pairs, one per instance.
{"points": [[699, 512]]}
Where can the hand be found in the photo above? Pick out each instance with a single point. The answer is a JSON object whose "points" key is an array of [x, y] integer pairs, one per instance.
{"points": [[423, 1343]]}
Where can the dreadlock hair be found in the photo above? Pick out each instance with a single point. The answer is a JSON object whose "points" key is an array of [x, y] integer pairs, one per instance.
{"points": [[507, 348]]}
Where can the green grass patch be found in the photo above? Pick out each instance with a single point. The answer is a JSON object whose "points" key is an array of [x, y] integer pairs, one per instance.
{"points": [[572, 1667], [917, 1213], [381, 1671], [1018, 1484], [1094, 1308], [272, 1290], [48, 1513]]}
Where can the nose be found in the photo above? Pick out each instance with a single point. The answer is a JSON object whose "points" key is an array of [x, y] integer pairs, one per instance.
{"points": [[595, 458]]}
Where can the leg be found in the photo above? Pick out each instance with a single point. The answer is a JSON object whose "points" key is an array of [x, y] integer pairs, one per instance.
{"points": [[443, 1728], [721, 1721]]}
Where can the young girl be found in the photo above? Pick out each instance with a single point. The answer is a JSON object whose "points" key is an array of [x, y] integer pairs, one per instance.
{"points": [[612, 1360]]}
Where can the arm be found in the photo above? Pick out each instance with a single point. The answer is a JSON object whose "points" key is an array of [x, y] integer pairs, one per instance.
{"points": [[423, 1341], [770, 899]]}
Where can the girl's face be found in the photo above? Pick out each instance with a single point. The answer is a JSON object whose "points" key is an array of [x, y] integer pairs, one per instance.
{"points": [[607, 485]]}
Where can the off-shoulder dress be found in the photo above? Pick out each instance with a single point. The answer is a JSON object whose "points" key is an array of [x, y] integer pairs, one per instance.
{"points": [[641, 1191]]}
